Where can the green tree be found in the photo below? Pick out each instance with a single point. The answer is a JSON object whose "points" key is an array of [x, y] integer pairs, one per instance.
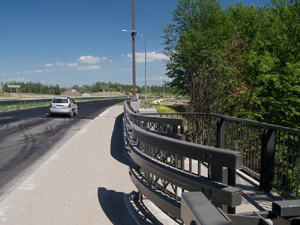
{"points": [[242, 61], [75, 87]]}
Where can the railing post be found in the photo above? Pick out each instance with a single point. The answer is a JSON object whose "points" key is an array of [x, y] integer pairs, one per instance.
{"points": [[219, 173], [221, 133], [267, 159]]}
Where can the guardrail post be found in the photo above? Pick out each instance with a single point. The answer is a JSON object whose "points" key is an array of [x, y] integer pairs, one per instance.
{"points": [[267, 159], [144, 126]]}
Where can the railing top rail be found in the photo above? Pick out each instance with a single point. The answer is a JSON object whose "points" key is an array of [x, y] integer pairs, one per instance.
{"points": [[223, 157], [264, 125]]}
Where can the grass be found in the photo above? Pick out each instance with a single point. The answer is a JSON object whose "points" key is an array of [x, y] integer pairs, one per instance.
{"points": [[39, 104], [22, 106]]}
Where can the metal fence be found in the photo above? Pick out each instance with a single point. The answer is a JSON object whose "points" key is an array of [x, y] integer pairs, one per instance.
{"points": [[271, 154], [171, 149], [167, 167]]}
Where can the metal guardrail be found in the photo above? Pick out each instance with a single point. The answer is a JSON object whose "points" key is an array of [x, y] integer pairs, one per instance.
{"points": [[271, 154], [168, 167], [196, 209]]}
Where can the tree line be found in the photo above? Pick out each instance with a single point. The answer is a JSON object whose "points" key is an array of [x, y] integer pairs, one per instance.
{"points": [[242, 61], [39, 88]]}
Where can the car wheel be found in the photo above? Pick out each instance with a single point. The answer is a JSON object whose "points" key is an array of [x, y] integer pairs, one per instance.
{"points": [[71, 113]]}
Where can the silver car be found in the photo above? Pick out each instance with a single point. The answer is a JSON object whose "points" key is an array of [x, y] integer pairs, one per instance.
{"points": [[63, 105]]}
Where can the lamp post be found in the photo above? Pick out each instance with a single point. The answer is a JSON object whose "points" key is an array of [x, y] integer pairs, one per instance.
{"points": [[133, 34], [144, 38], [164, 89]]}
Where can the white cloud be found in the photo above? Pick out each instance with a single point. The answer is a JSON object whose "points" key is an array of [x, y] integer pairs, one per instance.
{"points": [[88, 68], [151, 56], [2, 74], [38, 71], [48, 65], [104, 58], [59, 64], [160, 78], [111, 61], [71, 64], [17, 79], [88, 59], [34, 71], [48, 70]]}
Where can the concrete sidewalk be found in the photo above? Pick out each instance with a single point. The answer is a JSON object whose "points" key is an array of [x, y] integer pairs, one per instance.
{"points": [[84, 182]]}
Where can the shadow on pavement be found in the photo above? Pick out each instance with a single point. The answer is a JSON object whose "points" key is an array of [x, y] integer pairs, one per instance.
{"points": [[113, 206], [116, 146]]}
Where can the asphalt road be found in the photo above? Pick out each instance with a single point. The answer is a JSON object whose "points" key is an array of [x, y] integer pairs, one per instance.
{"points": [[27, 138]]}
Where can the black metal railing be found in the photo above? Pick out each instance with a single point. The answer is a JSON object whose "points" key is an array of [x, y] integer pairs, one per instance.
{"points": [[167, 166], [171, 149], [271, 154]]}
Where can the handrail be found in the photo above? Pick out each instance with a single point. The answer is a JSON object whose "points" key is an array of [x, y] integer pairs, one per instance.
{"points": [[144, 120], [271, 153], [167, 166], [162, 164], [264, 125], [222, 157], [215, 191]]}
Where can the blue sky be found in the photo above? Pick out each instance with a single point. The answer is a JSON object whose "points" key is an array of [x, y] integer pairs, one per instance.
{"points": [[70, 42]]}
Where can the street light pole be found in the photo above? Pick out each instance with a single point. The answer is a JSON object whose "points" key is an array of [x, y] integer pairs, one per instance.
{"points": [[144, 38], [133, 34], [164, 89], [145, 71]]}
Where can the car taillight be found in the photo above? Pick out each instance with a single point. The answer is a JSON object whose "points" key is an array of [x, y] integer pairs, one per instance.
{"points": [[50, 105], [69, 106]]}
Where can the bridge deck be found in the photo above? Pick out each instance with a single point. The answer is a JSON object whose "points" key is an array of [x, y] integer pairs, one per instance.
{"points": [[254, 199]]}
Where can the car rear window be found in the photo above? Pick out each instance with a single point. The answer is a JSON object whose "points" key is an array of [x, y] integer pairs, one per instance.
{"points": [[60, 100]]}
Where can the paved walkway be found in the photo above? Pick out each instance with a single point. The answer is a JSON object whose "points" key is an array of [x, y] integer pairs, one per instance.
{"points": [[84, 182], [87, 180]]}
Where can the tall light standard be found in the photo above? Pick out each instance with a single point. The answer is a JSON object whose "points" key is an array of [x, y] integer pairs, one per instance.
{"points": [[144, 38], [164, 89], [133, 34]]}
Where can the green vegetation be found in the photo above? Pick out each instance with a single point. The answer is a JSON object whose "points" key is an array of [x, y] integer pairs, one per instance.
{"points": [[22, 106], [164, 109], [39, 88], [242, 61]]}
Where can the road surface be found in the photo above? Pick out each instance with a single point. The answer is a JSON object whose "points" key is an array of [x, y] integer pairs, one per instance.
{"points": [[27, 138]]}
